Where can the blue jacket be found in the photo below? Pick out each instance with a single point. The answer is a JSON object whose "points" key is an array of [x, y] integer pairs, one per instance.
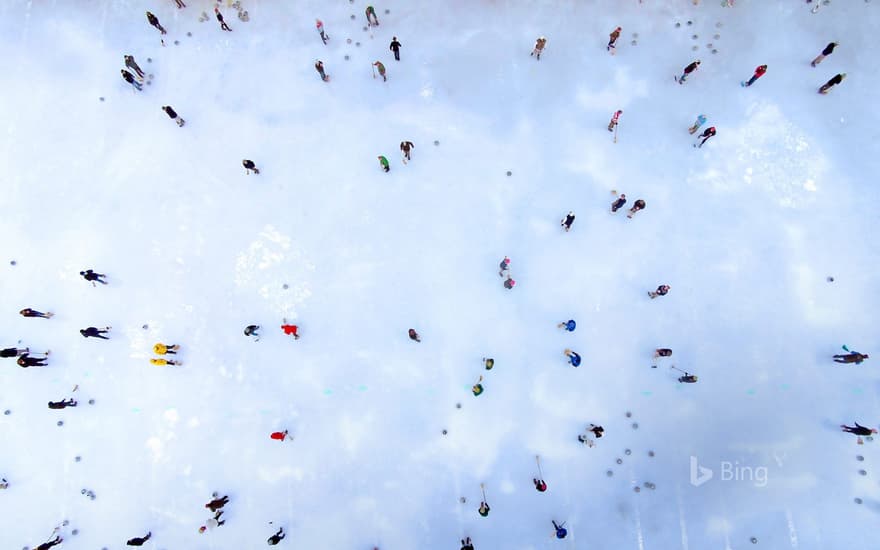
{"points": [[570, 325], [575, 359]]}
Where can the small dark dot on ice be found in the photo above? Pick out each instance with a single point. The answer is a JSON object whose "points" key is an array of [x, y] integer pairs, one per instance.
{"points": [[754, 540], [635, 425], [149, 60], [857, 500], [629, 414], [509, 173], [365, 29], [458, 405], [149, 82], [863, 473], [347, 58], [352, 17], [177, 42], [358, 44], [694, 37], [77, 458], [436, 142], [619, 461], [860, 458], [285, 286], [462, 500], [387, 11], [75, 532], [714, 51], [830, 279], [91, 401], [627, 452], [637, 489], [717, 36], [189, 34], [145, 327], [445, 432], [59, 423], [609, 473], [677, 24], [101, 98], [348, 40], [651, 453], [634, 43], [718, 24], [13, 262], [690, 23], [7, 412]]}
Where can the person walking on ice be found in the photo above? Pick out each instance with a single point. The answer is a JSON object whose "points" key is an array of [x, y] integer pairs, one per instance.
{"points": [[154, 21], [509, 283], [281, 436], [93, 277], [505, 267], [217, 503], [567, 221], [395, 47], [93, 332], [26, 360], [13, 352], [249, 166], [851, 357], [637, 206], [172, 114], [406, 148], [28, 312], [615, 34], [466, 544], [139, 541], [618, 204], [560, 530], [413, 335], [131, 64], [159, 362], [49, 544], [161, 349], [707, 133], [290, 330], [859, 431], [320, 26], [834, 81], [569, 325], [539, 47], [251, 330], [372, 20], [660, 352], [63, 404], [701, 119], [219, 15], [381, 68], [383, 162], [759, 72], [662, 290], [319, 66], [829, 49], [688, 70], [574, 359], [128, 77], [614, 119]]}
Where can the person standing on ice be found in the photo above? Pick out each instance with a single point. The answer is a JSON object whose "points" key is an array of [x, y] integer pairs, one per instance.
{"points": [[567, 221], [539, 47], [466, 544], [13, 352], [618, 204], [93, 332], [614, 119], [829, 49], [93, 277], [707, 133], [834, 81], [63, 404], [131, 64], [638, 205], [320, 26], [414, 336], [281, 436], [219, 15], [615, 34], [172, 114], [701, 119], [372, 20], [25, 360], [759, 72], [662, 290], [319, 66], [139, 541], [505, 267], [290, 330], [383, 162], [569, 325], [128, 77], [406, 148], [381, 68], [154, 21], [560, 530], [217, 503], [395, 47], [28, 312], [688, 70], [574, 359], [248, 166], [277, 537], [851, 357]]}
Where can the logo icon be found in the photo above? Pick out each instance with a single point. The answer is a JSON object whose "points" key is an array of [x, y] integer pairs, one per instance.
{"points": [[699, 474]]}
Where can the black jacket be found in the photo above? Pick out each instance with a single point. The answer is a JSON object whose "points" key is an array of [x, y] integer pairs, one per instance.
{"points": [[170, 111], [829, 49], [395, 45]]}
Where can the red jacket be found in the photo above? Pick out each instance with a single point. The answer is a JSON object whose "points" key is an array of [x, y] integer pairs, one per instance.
{"points": [[289, 329], [761, 70], [278, 435]]}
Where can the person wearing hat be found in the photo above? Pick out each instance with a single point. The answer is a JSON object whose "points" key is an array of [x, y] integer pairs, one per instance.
{"points": [[539, 47], [25, 360], [834, 81], [276, 538]]}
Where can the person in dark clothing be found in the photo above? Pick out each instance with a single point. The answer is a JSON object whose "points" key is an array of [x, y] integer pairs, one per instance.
{"points": [[28, 312], [466, 544], [131, 64], [560, 530], [49, 544], [827, 51], [128, 77], [567, 221], [276, 538], [858, 429], [251, 330], [539, 485], [598, 431], [319, 66], [219, 15], [851, 357], [707, 133], [662, 352], [26, 361], [835, 80], [483, 510], [13, 352], [406, 148], [638, 205], [509, 283], [687, 379], [63, 404], [93, 277], [172, 114], [413, 335], [249, 165], [372, 19], [573, 357], [180, 4], [688, 70], [662, 290], [95, 332], [139, 541], [217, 503], [618, 204], [155, 22], [395, 47], [759, 72], [504, 265]]}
